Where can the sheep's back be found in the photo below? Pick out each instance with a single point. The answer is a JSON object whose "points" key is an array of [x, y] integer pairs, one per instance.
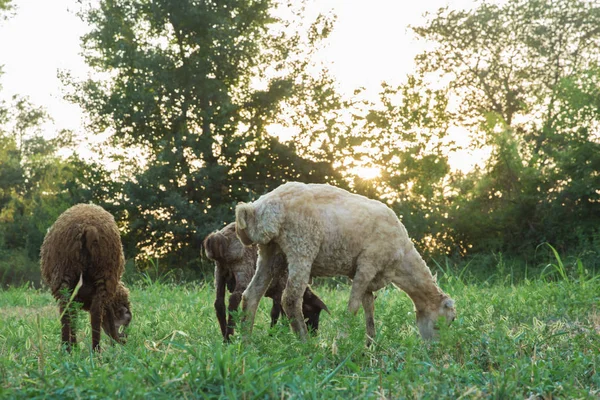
{"points": [[84, 239], [346, 226]]}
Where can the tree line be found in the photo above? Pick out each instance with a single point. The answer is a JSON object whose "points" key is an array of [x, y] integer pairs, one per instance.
{"points": [[194, 97]]}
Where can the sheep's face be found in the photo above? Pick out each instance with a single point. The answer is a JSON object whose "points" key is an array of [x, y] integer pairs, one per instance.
{"points": [[311, 309], [428, 320], [123, 316], [122, 320]]}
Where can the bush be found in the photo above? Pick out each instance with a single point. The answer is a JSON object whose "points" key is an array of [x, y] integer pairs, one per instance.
{"points": [[17, 268]]}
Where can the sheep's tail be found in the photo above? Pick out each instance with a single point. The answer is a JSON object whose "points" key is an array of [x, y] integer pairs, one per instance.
{"points": [[90, 238], [89, 243], [244, 216], [243, 213]]}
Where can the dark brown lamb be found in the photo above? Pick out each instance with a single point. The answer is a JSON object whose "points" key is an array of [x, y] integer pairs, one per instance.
{"points": [[84, 244], [234, 268]]}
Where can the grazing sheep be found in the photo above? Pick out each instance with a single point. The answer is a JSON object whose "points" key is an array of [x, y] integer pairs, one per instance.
{"points": [[84, 245], [327, 231], [234, 268]]}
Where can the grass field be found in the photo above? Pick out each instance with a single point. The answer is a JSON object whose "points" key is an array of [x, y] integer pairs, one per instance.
{"points": [[536, 340]]}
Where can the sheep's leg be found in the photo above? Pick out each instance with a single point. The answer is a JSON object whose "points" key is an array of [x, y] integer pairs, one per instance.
{"points": [[221, 316], [298, 277], [96, 314], [360, 282], [66, 329], [67, 320], [276, 309], [234, 302], [108, 324], [368, 302], [220, 303], [73, 318], [96, 321], [67, 316], [258, 287]]}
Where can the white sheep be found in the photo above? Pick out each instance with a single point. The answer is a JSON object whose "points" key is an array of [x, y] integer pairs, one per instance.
{"points": [[327, 231]]}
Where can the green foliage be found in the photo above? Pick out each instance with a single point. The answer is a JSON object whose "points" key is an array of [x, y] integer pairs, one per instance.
{"points": [[538, 339], [6, 6], [186, 85], [403, 135], [209, 104], [575, 273], [36, 185], [528, 92], [18, 268]]}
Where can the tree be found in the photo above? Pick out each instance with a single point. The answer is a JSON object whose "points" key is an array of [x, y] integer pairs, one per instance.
{"points": [[36, 185], [404, 136], [5, 7], [194, 86], [518, 74]]}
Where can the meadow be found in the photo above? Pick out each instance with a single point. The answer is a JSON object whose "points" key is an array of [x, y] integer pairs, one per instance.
{"points": [[538, 339]]}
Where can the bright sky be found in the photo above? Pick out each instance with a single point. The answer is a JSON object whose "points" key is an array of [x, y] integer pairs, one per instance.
{"points": [[40, 39], [371, 43]]}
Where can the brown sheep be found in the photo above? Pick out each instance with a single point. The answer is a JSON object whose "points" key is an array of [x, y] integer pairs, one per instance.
{"points": [[234, 267], [84, 245], [327, 231]]}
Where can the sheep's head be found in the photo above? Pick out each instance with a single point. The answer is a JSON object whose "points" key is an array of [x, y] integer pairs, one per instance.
{"points": [[215, 246], [312, 306], [224, 246], [121, 310], [428, 319]]}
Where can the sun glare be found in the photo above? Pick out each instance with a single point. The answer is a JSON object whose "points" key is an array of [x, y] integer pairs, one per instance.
{"points": [[367, 172]]}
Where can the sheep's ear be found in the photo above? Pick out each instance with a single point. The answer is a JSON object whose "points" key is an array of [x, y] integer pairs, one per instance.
{"points": [[319, 303], [222, 244], [435, 277], [448, 303], [215, 245], [207, 244], [243, 214]]}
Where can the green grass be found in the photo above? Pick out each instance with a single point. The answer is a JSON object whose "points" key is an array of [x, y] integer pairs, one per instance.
{"points": [[536, 339]]}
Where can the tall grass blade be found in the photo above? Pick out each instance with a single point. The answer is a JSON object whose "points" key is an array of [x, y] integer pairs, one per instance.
{"points": [[72, 297], [559, 267], [336, 369]]}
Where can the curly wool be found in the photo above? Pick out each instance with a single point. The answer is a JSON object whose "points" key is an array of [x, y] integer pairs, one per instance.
{"points": [[327, 231], [84, 241], [84, 246]]}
